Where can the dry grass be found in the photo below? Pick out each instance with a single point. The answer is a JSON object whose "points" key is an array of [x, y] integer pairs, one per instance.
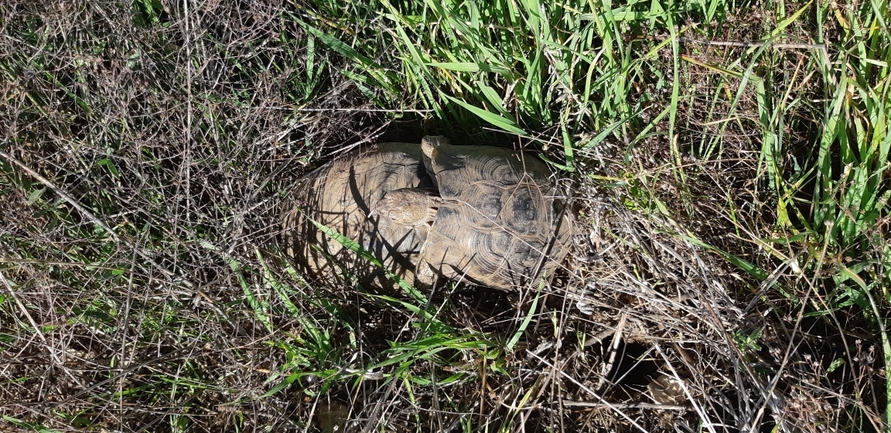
{"points": [[145, 158]]}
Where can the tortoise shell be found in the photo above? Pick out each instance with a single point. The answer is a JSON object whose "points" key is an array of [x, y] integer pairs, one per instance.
{"points": [[500, 222]]}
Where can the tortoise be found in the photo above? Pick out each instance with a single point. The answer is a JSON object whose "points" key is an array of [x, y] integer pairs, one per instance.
{"points": [[480, 214]]}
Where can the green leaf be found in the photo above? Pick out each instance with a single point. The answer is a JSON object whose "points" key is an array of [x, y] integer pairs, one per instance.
{"points": [[35, 195], [494, 119]]}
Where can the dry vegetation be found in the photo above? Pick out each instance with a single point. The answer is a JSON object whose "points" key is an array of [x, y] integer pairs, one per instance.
{"points": [[147, 149]]}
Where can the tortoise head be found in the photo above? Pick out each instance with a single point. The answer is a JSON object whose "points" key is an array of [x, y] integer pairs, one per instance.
{"points": [[431, 147]]}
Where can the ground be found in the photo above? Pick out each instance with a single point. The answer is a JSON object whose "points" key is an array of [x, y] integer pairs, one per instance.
{"points": [[729, 165]]}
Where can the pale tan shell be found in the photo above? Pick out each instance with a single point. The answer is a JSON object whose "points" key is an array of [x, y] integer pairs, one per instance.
{"points": [[479, 214], [345, 196], [500, 222]]}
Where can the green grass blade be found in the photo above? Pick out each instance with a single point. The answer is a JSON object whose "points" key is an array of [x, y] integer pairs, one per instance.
{"points": [[503, 123]]}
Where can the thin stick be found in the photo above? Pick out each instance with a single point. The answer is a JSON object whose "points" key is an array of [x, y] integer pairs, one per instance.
{"points": [[777, 45], [62, 194]]}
